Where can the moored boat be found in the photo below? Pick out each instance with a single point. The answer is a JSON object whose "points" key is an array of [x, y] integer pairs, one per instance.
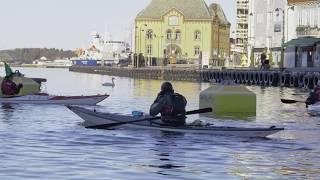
{"points": [[43, 98], [93, 118]]}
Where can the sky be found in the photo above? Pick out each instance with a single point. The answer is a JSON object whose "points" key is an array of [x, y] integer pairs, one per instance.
{"points": [[67, 24]]}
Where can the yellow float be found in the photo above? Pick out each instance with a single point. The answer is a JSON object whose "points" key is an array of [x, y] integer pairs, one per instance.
{"points": [[228, 101]]}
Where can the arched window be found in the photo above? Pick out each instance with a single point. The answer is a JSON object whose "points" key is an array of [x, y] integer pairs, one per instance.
{"points": [[169, 34], [178, 35], [197, 35], [149, 34]]}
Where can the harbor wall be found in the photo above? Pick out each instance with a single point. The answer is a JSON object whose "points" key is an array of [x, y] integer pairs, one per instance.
{"points": [[306, 78]]}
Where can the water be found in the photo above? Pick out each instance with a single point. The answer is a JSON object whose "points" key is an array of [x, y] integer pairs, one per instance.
{"points": [[48, 141]]}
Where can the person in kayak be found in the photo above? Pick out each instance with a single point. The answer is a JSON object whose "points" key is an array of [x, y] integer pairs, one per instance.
{"points": [[8, 87], [171, 105], [314, 95]]}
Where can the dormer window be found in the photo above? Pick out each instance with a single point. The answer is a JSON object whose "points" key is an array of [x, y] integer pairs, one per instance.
{"points": [[173, 21]]}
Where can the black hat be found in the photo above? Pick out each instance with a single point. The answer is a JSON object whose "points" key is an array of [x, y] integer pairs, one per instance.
{"points": [[167, 87]]}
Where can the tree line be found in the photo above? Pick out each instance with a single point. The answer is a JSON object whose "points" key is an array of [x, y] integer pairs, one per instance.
{"points": [[28, 55]]}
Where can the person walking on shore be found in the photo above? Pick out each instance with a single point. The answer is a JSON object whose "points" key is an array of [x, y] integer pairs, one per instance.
{"points": [[263, 61]]}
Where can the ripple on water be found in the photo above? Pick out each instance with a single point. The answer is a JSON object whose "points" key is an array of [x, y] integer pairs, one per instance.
{"points": [[48, 142]]}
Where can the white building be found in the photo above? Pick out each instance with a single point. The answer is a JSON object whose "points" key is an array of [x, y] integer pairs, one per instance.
{"points": [[266, 30], [303, 18], [242, 25]]}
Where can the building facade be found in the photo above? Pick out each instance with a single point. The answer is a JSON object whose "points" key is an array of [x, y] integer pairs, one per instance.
{"points": [[302, 52], [242, 26], [182, 31], [303, 18], [266, 31], [303, 34]]}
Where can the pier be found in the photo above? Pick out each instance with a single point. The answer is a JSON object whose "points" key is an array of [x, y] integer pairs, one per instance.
{"points": [[293, 78]]}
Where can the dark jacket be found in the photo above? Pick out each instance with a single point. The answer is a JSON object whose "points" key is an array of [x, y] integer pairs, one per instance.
{"points": [[314, 96], [172, 108], [8, 87]]}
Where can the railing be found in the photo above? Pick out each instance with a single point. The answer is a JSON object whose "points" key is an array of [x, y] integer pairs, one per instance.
{"points": [[307, 31]]}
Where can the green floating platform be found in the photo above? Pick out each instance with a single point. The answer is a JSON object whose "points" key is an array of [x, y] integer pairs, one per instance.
{"points": [[228, 101]]}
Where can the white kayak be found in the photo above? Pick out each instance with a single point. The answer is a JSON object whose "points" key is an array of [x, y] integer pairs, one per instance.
{"points": [[43, 98], [93, 118], [314, 109]]}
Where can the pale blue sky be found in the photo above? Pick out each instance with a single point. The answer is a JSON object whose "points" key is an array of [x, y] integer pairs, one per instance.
{"points": [[67, 24]]}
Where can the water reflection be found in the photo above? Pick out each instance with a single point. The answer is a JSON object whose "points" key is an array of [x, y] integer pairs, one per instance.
{"points": [[6, 111], [50, 137], [165, 147], [7, 107]]}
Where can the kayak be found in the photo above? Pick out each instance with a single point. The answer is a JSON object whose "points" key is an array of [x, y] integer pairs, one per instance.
{"points": [[93, 118], [43, 98], [314, 109]]}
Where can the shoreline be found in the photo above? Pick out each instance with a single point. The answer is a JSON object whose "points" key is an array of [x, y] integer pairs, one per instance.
{"points": [[37, 66], [292, 78]]}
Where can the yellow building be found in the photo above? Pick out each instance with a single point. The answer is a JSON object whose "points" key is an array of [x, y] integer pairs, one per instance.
{"points": [[176, 31]]}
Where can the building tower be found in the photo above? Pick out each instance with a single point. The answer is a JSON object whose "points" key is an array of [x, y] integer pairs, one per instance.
{"points": [[242, 26]]}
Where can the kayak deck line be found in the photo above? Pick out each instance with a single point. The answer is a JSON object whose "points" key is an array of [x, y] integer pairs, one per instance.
{"points": [[44, 98], [92, 118]]}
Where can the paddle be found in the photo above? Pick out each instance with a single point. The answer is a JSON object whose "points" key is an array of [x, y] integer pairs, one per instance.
{"points": [[104, 126], [291, 101]]}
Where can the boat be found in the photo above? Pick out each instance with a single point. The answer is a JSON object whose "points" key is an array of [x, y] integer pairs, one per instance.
{"points": [[314, 109], [102, 51], [43, 98], [93, 118]]}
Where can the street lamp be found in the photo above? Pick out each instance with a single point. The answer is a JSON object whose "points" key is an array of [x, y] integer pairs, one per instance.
{"points": [[171, 51], [158, 45], [292, 8], [140, 30], [282, 41]]}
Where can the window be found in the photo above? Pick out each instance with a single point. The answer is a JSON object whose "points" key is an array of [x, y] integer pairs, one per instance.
{"points": [[169, 34], [178, 35], [149, 50], [196, 50], [197, 35], [149, 34], [173, 21]]}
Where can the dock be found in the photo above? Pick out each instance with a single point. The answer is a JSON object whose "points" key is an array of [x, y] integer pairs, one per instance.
{"points": [[293, 78]]}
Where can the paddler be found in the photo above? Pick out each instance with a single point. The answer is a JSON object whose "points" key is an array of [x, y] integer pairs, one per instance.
{"points": [[314, 96], [171, 105], [8, 87]]}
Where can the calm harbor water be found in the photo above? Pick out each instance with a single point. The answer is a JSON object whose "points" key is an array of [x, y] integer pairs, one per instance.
{"points": [[48, 141]]}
